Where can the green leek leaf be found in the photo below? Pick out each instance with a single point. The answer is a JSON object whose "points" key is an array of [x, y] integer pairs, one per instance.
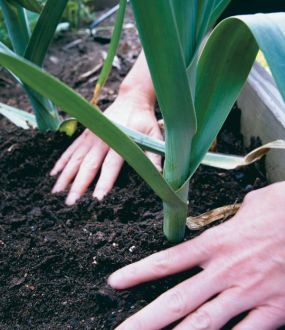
{"points": [[44, 30], [17, 25], [112, 50], [224, 66], [166, 60], [32, 5], [68, 126], [18, 117]]}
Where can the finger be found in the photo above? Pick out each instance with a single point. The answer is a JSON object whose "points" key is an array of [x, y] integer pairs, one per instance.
{"points": [[70, 169], [176, 259], [109, 174], [262, 318], [176, 303], [217, 312], [87, 172], [65, 157], [155, 159]]}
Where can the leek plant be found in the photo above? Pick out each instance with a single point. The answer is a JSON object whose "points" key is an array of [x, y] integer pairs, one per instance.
{"points": [[195, 90], [34, 46]]}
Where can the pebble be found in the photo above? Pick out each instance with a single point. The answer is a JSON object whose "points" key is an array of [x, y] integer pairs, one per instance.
{"points": [[132, 248], [248, 188], [69, 223]]}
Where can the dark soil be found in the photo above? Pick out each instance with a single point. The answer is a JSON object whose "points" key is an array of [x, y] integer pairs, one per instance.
{"points": [[54, 259]]}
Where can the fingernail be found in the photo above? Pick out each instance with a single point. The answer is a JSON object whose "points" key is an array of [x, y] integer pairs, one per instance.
{"points": [[72, 198], [99, 194], [53, 172], [55, 190], [114, 280]]}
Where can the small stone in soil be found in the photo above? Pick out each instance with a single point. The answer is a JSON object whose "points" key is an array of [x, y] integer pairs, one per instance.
{"points": [[132, 248]]}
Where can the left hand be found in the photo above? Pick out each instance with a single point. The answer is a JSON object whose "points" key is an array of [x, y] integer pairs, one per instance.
{"points": [[243, 263], [82, 161]]}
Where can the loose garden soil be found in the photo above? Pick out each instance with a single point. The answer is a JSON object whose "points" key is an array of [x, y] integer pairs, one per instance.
{"points": [[54, 259]]}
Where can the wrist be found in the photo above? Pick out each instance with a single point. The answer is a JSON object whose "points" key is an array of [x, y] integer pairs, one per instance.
{"points": [[139, 93]]}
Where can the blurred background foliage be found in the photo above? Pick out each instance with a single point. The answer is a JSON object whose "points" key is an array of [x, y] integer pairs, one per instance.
{"points": [[77, 13]]}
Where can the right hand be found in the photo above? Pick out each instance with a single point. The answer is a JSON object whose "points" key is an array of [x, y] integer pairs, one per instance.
{"points": [[82, 161], [243, 262]]}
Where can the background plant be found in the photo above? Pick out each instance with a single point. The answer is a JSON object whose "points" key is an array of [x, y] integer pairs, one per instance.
{"points": [[195, 93], [31, 26], [76, 12]]}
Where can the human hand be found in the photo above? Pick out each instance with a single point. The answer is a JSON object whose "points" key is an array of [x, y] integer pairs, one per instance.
{"points": [[243, 262], [82, 161]]}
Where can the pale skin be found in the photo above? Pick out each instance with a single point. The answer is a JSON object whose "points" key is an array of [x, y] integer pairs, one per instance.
{"points": [[243, 260]]}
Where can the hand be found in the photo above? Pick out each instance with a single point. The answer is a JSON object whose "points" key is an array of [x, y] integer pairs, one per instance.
{"points": [[82, 161], [243, 263]]}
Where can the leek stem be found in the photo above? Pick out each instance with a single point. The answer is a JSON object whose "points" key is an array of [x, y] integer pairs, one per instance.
{"points": [[175, 217]]}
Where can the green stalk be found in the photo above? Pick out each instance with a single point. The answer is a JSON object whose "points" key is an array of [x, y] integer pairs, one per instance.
{"points": [[219, 7], [175, 217], [44, 31], [34, 48], [17, 25], [166, 56], [45, 112], [204, 17], [112, 51], [79, 4], [186, 16], [32, 5]]}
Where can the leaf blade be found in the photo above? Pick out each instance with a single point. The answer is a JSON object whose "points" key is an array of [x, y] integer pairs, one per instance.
{"points": [[44, 30], [224, 66], [18, 117], [17, 25], [112, 50], [159, 45], [32, 5]]}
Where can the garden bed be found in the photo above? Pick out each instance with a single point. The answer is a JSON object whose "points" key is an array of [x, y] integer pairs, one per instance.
{"points": [[54, 259]]}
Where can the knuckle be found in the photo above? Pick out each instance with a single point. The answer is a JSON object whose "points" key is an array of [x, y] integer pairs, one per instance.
{"points": [[279, 306], [64, 158], [278, 311], [175, 302], [77, 159], [92, 164], [156, 133], [161, 263], [272, 313], [212, 240], [200, 320], [112, 162], [101, 188], [251, 196]]}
